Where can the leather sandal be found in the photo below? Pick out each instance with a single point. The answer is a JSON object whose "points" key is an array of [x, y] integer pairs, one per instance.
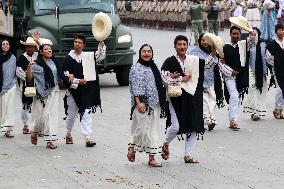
{"points": [[34, 139], [131, 154], [26, 130], [50, 145], [188, 159], [152, 163], [165, 152], [234, 127], [254, 117], [90, 143], [278, 114], [8, 135], [69, 139], [211, 126]]}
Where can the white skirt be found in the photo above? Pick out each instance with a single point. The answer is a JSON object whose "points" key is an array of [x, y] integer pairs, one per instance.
{"points": [[254, 102], [147, 132], [8, 104], [253, 17], [45, 117]]}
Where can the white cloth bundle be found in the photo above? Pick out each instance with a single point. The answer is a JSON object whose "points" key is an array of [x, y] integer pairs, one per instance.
{"points": [[243, 52], [191, 66]]}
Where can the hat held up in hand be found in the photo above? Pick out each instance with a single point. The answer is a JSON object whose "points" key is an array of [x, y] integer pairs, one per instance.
{"points": [[101, 26], [241, 22]]}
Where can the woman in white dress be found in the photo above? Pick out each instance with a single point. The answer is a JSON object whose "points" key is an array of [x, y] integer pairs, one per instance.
{"points": [[148, 100]]}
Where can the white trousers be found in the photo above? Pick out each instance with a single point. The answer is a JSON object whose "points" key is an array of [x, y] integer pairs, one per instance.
{"points": [[86, 122], [209, 105], [173, 131], [147, 131], [7, 109], [25, 114], [254, 102], [45, 119], [279, 100], [234, 100]]}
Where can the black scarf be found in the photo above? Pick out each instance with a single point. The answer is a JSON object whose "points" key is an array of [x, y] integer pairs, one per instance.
{"points": [[159, 83], [258, 68], [3, 59], [48, 75]]}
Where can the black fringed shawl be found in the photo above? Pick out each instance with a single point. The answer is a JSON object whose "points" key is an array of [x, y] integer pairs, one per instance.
{"points": [[85, 96], [278, 53], [188, 108], [232, 59]]}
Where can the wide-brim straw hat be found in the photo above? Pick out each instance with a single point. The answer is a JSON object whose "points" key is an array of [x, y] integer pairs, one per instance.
{"points": [[241, 22], [101, 26], [29, 42], [215, 41]]}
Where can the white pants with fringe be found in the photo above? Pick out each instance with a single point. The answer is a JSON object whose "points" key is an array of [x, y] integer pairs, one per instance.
{"points": [[173, 131]]}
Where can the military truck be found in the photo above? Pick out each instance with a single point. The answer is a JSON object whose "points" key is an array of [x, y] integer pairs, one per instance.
{"points": [[61, 20]]}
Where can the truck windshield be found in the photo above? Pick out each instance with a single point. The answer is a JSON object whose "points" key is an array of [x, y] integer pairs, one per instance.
{"points": [[47, 6]]}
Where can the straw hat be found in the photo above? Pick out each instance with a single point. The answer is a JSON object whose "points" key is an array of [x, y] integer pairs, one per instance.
{"points": [[215, 41], [45, 41], [101, 26], [29, 42], [241, 22]]}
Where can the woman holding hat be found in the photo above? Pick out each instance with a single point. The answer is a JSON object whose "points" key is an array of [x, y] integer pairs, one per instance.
{"points": [[23, 61], [46, 73], [8, 89], [212, 84], [268, 21], [253, 103], [148, 99]]}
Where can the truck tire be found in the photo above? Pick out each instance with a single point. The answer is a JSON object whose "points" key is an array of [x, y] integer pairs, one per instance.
{"points": [[122, 75]]}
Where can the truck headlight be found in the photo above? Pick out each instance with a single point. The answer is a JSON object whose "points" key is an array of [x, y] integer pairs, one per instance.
{"points": [[124, 39]]}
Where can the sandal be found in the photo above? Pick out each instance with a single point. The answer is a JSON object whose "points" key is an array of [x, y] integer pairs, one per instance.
{"points": [[152, 163], [131, 154], [278, 114], [50, 145], [90, 143], [188, 159], [165, 152], [8, 135], [211, 126], [26, 130], [69, 139], [234, 126], [254, 117], [34, 139]]}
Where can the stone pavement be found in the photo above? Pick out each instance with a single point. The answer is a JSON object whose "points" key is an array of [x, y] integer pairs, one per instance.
{"points": [[249, 158]]}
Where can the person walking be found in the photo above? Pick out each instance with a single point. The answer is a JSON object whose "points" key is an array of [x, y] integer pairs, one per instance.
{"points": [[45, 72], [8, 89], [148, 107]]}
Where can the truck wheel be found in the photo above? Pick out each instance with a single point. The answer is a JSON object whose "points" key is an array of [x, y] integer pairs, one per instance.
{"points": [[122, 75]]}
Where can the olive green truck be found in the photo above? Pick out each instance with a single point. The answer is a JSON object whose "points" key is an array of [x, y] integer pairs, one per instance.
{"points": [[61, 20]]}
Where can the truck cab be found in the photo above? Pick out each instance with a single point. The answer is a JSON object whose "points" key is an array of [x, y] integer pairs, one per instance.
{"points": [[61, 20]]}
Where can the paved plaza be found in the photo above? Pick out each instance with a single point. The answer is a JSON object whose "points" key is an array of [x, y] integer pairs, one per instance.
{"points": [[251, 158]]}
